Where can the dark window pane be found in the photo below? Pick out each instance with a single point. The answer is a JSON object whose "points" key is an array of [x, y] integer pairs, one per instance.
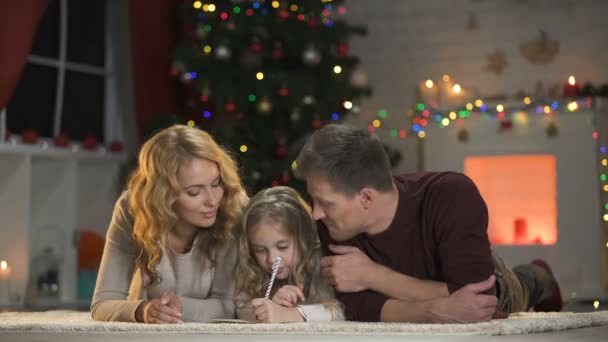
{"points": [[46, 42], [83, 106], [86, 32], [33, 104]]}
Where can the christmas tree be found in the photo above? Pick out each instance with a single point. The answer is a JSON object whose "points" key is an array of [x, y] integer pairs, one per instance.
{"points": [[260, 76]]}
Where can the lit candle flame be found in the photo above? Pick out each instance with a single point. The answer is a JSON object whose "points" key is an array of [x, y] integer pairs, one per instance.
{"points": [[429, 83], [3, 265], [456, 88], [571, 80]]}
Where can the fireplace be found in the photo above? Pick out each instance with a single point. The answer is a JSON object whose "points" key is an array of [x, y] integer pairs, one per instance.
{"points": [[542, 190]]}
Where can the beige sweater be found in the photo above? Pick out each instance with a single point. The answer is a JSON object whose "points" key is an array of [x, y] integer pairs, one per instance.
{"points": [[206, 293]]}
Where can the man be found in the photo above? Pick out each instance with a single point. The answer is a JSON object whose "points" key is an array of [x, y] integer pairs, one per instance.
{"points": [[410, 248]]}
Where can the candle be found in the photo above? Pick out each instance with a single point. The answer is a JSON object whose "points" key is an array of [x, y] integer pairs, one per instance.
{"points": [[427, 92], [571, 88], [5, 282]]}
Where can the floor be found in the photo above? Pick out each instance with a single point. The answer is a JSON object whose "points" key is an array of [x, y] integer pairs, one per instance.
{"points": [[587, 334]]}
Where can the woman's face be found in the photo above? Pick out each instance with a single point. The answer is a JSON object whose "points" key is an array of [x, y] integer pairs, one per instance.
{"points": [[201, 191]]}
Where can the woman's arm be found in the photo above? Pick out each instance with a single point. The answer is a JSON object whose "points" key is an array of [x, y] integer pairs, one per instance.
{"points": [[110, 300]]}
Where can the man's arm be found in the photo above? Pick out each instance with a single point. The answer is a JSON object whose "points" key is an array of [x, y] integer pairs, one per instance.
{"points": [[351, 270], [466, 305]]}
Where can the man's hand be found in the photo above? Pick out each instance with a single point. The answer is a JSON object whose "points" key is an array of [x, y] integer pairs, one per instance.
{"points": [[289, 295], [267, 311], [153, 311], [348, 271], [467, 305]]}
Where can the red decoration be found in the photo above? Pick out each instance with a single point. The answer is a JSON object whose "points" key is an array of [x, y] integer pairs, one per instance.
{"points": [[571, 88], [521, 231], [283, 14], [29, 137], [343, 49], [278, 52], [313, 23], [275, 183], [230, 107], [256, 46], [116, 146], [285, 178], [282, 151], [317, 123], [284, 91], [90, 143], [506, 125], [61, 140]]}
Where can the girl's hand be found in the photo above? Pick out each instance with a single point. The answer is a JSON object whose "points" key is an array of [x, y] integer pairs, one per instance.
{"points": [[267, 311], [289, 295]]}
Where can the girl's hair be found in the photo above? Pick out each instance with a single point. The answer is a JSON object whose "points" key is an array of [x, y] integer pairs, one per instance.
{"points": [[153, 189], [282, 205]]}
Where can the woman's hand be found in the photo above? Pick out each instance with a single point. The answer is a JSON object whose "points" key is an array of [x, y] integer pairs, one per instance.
{"points": [[267, 311], [164, 310], [289, 295]]}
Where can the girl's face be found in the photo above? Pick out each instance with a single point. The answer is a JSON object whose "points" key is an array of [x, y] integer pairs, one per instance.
{"points": [[200, 194], [269, 240]]}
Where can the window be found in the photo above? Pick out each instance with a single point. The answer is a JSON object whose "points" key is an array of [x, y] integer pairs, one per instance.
{"points": [[64, 86], [520, 192]]}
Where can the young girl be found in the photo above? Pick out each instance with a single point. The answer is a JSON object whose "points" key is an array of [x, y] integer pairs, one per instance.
{"points": [[278, 223]]}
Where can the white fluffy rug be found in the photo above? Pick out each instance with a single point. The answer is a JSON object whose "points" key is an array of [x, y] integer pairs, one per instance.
{"points": [[523, 323]]}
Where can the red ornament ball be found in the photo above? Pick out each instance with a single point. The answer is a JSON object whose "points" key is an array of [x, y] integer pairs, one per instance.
{"points": [[61, 140], [282, 151], [317, 123], [116, 146], [90, 143], [29, 137]]}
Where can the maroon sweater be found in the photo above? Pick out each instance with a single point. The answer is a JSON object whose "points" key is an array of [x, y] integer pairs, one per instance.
{"points": [[439, 232]]}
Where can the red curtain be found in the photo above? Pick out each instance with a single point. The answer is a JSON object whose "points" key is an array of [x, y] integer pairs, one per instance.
{"points": [[18, 23], [153, 37]]}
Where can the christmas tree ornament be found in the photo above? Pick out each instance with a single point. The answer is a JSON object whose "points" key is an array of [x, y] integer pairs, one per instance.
{"points": [[311, 56], [177, 68], [283, 14], [316, 123], [230, 106], [284, 91], [308, 100], [313, 23], [343, 49], [358, 78], [463, 135], [250, 60], [505, 125], [295, 115], [200, 32], [256, 45], [552, 130], [282, 151], [264, 106], [222, 52], [277, 51], [285, 178]]}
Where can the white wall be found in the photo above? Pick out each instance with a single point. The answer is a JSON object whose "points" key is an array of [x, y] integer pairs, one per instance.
{"points": [[410, 41]]}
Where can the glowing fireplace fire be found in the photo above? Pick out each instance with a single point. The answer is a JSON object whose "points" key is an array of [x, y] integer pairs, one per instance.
{"points": [[520, 191]]}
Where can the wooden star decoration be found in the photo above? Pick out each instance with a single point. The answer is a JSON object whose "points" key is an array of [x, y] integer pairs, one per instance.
{"points": [[496, 62]]}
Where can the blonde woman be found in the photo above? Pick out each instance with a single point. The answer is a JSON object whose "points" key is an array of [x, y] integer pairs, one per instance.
{"points": [[169, 255], [278, 223]]}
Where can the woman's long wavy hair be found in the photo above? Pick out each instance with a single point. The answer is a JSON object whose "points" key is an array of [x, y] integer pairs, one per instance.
{"points": [[282, 205], [153, 189]]}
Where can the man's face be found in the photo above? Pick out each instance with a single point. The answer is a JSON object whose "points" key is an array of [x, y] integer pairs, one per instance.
{"points": [[341, 214]]}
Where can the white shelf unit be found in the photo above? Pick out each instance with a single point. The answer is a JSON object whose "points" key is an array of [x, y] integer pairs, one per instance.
{"points": [[46, 195]]}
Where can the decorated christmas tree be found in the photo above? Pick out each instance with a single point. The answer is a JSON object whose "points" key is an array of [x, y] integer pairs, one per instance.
{"points": [[260, 76]]}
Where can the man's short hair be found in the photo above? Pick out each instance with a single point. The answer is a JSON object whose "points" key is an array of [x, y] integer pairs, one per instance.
{"points": [[348, 157]]}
